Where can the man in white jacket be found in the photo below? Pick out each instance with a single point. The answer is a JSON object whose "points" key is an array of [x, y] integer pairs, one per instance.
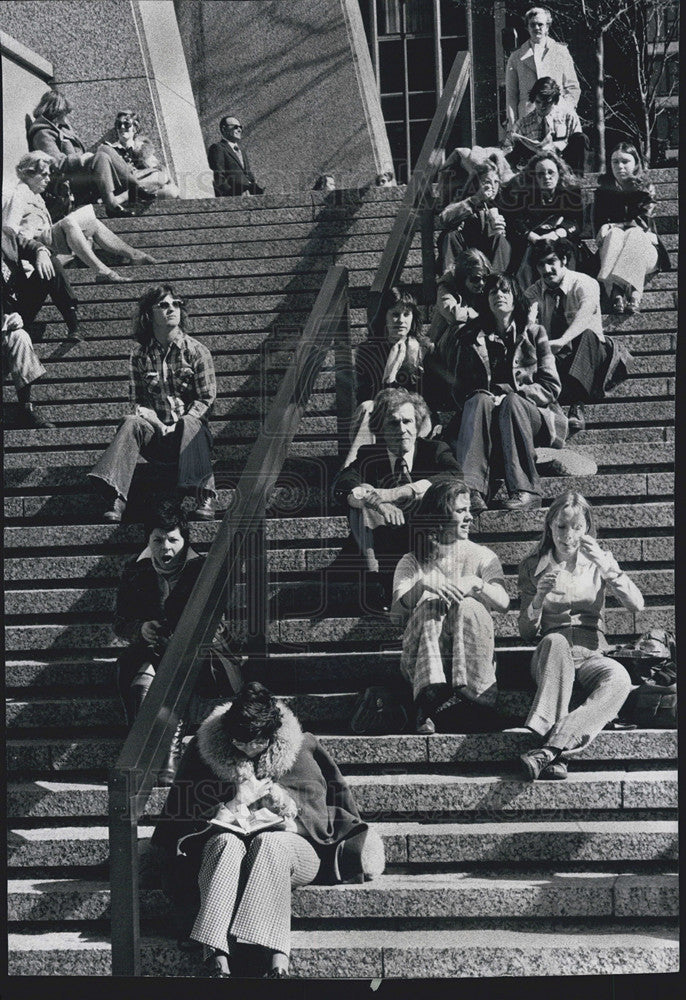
{"points": [[540, 56]]}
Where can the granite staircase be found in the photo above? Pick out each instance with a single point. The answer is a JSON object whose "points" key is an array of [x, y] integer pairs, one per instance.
{"points": [[487, 875]]}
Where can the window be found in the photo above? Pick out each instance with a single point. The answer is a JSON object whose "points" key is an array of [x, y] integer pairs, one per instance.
{"points": [[411, 72]]}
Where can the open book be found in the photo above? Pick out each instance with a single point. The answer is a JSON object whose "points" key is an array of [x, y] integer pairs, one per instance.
{"points": [[256, 821]]}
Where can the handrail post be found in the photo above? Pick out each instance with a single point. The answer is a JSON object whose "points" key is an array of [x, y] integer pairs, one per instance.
{"points": [[426, 222], [345, 379], [124, 895], [256, 592]]}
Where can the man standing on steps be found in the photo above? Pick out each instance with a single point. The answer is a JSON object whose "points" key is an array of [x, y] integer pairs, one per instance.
{"points": [[384, 485], [230, 163], [569, 310], [172, 388]]}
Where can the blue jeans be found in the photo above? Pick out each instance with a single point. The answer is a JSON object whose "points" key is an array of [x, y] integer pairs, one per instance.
{"points": [[188, 446]]}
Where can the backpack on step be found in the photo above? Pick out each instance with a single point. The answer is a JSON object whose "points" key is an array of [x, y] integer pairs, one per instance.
{"points": [[378, 712]]}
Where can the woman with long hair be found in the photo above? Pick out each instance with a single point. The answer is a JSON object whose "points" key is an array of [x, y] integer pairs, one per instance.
{"points": [[251, 760], [392, 357], [444, 592], [629, 246], [505, 388], [544, 201], [563, 584], [26, 212]]}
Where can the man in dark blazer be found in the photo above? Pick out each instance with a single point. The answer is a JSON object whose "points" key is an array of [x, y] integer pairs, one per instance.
{"points": [[384, 485], [230, 163]]}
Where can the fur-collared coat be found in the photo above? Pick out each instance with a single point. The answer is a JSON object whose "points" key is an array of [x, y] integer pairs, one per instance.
{"points": [[208, 775]]}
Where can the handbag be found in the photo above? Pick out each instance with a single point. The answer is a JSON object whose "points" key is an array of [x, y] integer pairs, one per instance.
{"points": [[651, 663], [378, 712]]}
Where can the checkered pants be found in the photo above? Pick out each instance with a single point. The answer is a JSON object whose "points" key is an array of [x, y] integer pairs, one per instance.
{"points": [[462, 638], [245, 888]]}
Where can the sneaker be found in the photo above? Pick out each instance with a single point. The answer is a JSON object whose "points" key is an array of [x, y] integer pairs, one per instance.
{"points": [[522, 499], [477, 503], [116, 511], [576, 419], [276, 974], [29, 419], [205, 510], [536, 761]]}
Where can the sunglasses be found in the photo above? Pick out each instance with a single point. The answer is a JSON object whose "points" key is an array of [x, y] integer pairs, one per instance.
{"points": [[229, 125], [125, 122], [170, 304]]}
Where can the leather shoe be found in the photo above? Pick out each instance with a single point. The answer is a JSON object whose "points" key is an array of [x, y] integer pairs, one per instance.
{"points": [[522, 499], [428, 700], [557, 771], [205, 510], [576, 419], [29, 419], [535, 762], [116, 511]]}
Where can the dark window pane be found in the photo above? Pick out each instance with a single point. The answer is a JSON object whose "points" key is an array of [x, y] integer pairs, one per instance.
{"points": [[418, 132], [422, 105], [393, 108], [420, 63], [391, 67], [388, 16], [396, 139], [419, 17], [449, 47], [452, 17]]}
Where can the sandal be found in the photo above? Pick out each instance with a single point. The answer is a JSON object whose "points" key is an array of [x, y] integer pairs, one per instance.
{"points": [[110, 278]]}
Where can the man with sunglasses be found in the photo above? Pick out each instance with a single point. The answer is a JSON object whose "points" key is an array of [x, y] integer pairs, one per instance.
{"points": [[229, 161], [172, 389]]}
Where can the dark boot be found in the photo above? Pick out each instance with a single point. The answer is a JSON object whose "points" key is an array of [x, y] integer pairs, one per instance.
{"points": [[169, 768], [428, 700]]}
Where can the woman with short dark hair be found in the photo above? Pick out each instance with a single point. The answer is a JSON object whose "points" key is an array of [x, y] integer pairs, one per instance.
{"points": [[138, 151], [444, 592], [252, 754]]}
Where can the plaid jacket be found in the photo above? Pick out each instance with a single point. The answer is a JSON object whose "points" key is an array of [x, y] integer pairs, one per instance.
{"points": [[561, 123], [174, 383]]}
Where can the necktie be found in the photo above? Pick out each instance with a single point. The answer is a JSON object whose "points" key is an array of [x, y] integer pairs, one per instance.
{"points": [[402, 473], [558, 320], [543, 130]]}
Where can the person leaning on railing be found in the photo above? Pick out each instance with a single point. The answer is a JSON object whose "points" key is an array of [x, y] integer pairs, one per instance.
{"points": [[231, 890], [563, 584], [628, 244]]}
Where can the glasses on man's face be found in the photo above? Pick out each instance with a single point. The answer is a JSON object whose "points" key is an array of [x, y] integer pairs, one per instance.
{"points": [[169, 304], [234, 127]]}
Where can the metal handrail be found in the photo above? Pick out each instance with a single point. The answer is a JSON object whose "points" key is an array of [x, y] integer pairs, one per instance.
{"points": [[132, 777], [417, 196]]}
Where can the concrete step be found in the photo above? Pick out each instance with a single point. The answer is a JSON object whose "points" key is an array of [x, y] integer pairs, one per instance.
{"points": [[101, 568], [558, 950], [411, 844], [290, 596], [44, 755], [310, 632], [421, 897], [385, 796], [491, 525]]}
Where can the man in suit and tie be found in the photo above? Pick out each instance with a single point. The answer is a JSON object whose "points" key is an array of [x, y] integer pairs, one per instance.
{"points": [[230, 163], [384, 484], [569, 310]]}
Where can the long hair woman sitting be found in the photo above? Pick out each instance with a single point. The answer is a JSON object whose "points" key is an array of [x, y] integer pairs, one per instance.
{"points": [[563, 584], [253, 754], [629, 246], [444, 592], [391, 358]]}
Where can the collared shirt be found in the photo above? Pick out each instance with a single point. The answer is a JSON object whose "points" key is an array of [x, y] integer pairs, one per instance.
{"points": [[562, 122], [174, 381], [237, 150], [359, 494], [582, 296]]}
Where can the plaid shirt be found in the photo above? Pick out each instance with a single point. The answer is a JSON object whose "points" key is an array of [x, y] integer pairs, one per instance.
{"points": [[562, 122], [174, 383]]}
